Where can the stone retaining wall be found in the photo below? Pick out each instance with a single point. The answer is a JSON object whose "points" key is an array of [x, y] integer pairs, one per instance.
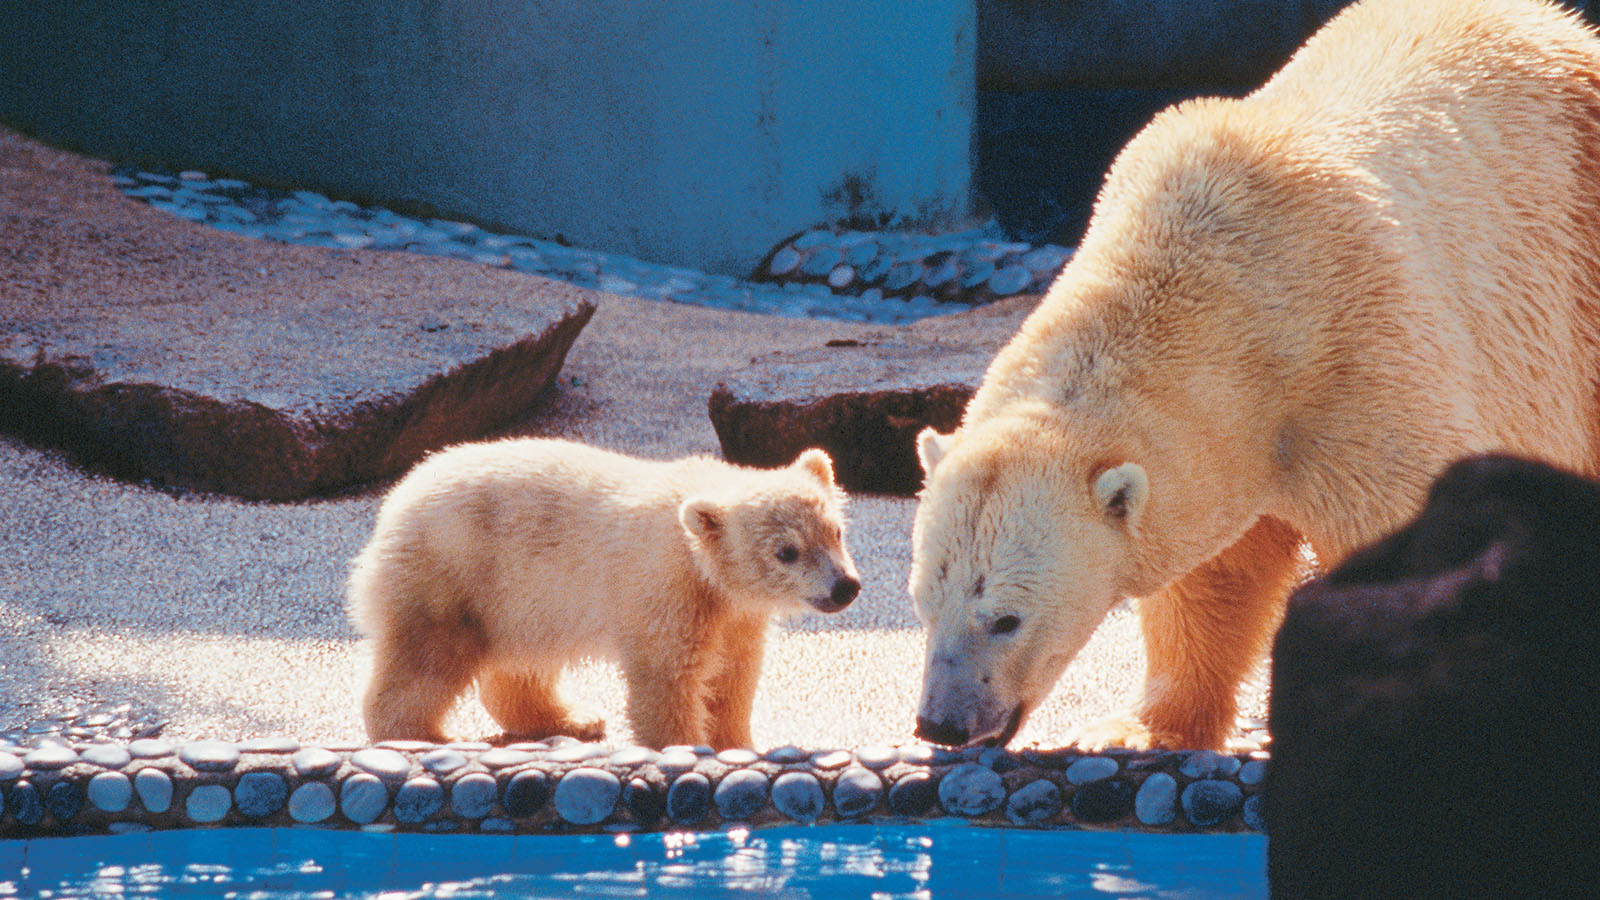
{"points": [[563, 786]]}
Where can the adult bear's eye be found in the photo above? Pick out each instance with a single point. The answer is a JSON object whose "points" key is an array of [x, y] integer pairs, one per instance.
{"points": [[1004, 625], [788, 554]]}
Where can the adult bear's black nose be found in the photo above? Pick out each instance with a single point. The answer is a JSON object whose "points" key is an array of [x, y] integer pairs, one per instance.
{"points": [[845, 590], [941, 733]]}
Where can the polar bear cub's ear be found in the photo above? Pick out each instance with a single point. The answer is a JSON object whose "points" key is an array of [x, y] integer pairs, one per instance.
{"points": [[931, 447], [818, 464], [702, 518], [1120, 491]]}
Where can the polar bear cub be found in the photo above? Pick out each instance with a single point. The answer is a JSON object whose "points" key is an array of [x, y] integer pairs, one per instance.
{"points": [[503, 561]]}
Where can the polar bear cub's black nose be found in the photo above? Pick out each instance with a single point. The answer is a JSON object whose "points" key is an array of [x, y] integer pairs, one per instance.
{"points": [[845, 590]]}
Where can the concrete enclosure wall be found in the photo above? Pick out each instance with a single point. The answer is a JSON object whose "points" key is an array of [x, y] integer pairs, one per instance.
{"points": [[690, 133]]}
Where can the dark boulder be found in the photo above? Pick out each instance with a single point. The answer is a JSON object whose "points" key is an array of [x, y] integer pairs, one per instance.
{"points": [[1436, 701]]}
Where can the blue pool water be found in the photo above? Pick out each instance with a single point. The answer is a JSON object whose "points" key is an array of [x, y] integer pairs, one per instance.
{"points": [[922, 861]]}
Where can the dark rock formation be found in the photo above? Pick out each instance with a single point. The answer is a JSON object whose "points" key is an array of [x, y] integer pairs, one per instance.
{"points": [[1434, 701]]}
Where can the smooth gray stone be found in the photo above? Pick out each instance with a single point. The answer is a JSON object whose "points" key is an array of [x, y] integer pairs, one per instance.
{"points": [[208, 803], [1252, 814], [983, 252], [877, 756], [916, 754], [64, 800], [810, 239], [821, 262], [971, 790], [149, 748], [689, 798], [977, 274], [311, 802], [632, 757], [1208, 763], [587, 796], [311, 199], [526, 793], [1035, 802], [362, 798], [996, 758], [454, 230], [857, 792], [110, 791], [154, 788], [1046, 261], [862, 253], [1010, 280], [785, 261], [677, 761], [787, 755], [799, 796], [315, 762], [11, 767], [27, 808], [443, 761], [502, 757], [209, 756], [874, 271], [49, 758], [472, 796], [1253, 772], [260, 794], [578, 753], [738, 756], [1209, 802], [831, 759], [1156, 803], [902, 276], [389, 765], [741, 794], [941, 274], [1091, 768]]}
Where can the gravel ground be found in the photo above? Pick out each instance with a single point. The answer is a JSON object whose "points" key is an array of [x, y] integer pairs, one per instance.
{"points": [[209, 617]]}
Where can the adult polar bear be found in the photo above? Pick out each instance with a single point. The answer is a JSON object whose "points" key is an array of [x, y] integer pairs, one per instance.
{"points": [[1290, 312]]}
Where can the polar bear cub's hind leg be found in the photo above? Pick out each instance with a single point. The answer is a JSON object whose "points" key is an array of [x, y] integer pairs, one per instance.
{"points": [[528, 706]]}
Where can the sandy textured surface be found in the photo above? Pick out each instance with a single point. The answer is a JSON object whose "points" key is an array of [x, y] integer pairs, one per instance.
{"points": [[228, 616]]}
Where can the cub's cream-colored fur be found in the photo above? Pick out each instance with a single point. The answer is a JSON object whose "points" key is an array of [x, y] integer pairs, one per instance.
{"points": [[1289, 313], [504, 561]]}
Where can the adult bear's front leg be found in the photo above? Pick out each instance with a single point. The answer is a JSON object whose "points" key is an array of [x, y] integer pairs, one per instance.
{"points": [[1203, 635]]}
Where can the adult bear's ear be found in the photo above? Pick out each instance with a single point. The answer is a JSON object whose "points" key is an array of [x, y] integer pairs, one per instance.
{"points": [[702, 518], [931, 447], [1120, 491], [818, 464]]}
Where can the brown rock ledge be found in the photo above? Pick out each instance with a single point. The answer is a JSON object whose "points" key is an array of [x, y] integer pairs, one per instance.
{"points": [[862, 400], [167, 351]]}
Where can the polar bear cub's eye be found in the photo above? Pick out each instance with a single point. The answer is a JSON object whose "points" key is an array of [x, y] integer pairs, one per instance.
{"points": [[788, 553], [1004, 625]]}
